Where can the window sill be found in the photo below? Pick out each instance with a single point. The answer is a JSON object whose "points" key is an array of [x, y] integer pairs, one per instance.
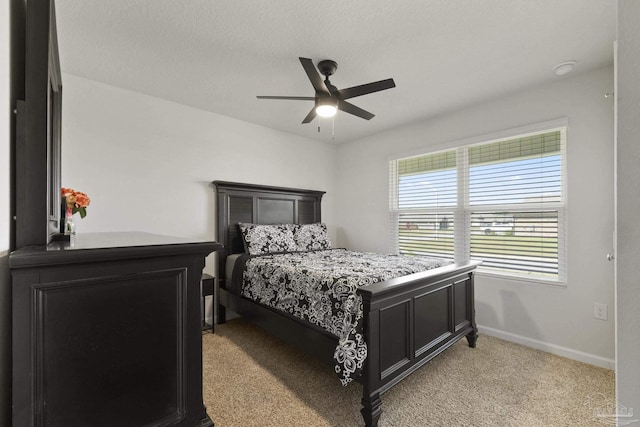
{"points": [[515, 278]]}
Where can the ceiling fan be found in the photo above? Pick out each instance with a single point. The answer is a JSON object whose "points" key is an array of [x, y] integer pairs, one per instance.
{"points": [[329, 98]]}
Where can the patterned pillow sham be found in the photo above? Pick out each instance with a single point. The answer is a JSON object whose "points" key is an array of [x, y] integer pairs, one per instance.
{"points": [[311, 237], [262, 239]]}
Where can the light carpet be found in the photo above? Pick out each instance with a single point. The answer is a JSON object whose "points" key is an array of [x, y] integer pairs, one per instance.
{"points": [[253, 379]]}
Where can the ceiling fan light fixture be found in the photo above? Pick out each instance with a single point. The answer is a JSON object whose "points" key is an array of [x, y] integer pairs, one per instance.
{"points": [[327, 107], [326, 110]]}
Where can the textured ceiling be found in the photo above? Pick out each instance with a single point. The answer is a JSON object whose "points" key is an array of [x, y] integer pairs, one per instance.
{"points": [[443, 54]]}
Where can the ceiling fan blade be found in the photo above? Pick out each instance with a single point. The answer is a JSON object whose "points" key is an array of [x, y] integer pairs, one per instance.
{"points": [[356, 111], [298, 98], [354, 91], [314, 76], [310, 116]]}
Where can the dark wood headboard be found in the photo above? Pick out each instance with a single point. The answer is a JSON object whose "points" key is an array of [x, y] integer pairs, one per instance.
{"points": [[259, 204]]}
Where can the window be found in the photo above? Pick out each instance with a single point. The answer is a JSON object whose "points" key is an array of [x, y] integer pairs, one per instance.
{"points": [[425, 204], [501, 202]]}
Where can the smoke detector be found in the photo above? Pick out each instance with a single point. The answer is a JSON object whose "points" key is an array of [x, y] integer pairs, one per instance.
{"points": [[564, 68]]}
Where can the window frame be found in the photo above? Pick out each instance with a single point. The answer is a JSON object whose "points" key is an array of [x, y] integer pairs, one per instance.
{"points": [[463, 209]]}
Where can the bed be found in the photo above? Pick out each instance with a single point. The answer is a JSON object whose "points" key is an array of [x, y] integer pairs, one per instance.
{"points": [[406, 321]]}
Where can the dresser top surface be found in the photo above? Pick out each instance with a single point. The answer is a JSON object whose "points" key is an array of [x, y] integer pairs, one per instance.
{"points": [[109, 245]]}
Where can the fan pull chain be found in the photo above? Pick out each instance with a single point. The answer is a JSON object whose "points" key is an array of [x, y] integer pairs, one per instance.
{"points": [[333, 128]]}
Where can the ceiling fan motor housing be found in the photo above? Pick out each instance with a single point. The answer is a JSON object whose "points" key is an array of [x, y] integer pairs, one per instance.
{"points": [[327, 67]]}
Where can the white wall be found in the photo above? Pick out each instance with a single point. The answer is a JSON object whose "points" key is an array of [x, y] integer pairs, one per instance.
{"points": [[147, 163], [628, 201], [5, 214], [558, 319]]}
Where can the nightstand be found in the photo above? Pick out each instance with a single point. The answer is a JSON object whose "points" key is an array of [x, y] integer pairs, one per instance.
{"points": [[206, 287]]}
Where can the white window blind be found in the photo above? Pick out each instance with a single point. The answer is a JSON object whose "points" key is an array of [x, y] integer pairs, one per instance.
{"points": [[426, 189], [516, 202], [501, 202]]}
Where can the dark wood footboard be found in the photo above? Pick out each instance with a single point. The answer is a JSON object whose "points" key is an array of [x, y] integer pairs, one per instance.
{"points": [[409, 321]]}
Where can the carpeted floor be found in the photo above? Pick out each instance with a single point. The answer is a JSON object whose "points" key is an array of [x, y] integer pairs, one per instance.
{"points": [[253, 379]]}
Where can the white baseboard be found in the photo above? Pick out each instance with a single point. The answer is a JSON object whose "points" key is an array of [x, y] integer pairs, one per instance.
{"points": [[569, 353]]}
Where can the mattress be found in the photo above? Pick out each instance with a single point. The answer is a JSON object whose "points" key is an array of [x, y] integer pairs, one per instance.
{"points": [[229, 266]]}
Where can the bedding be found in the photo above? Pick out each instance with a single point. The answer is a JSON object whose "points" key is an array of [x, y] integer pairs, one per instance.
{"points": [[320, 288], [264, 239], [261, 239], [311, 237]]}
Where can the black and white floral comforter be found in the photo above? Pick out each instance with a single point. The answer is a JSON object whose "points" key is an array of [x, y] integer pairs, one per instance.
{"points": [[320, 287]]}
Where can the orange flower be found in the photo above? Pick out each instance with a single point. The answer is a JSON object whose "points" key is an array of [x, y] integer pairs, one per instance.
{"points": [[82, 200], [77, 201]]}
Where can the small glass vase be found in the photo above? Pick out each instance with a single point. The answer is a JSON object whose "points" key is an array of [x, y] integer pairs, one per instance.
{"points": [[69, 225]]}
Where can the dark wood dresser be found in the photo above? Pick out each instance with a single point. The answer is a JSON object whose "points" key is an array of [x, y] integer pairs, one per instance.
{"points": [[107, 332]]}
